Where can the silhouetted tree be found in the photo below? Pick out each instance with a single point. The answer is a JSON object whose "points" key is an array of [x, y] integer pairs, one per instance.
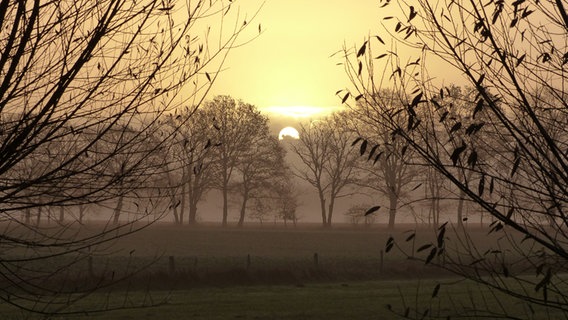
{"points": [[259, 168], [238, 127], [387, 169], [325, 151], [191, 170], [513, 54], [286, 199], [277, 198], [75, 77], [357, 212], [261, 209]]}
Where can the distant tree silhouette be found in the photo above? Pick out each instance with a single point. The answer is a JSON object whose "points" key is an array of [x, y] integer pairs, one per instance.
{"points": [[239, 127], [278, 198], [261, 166], [387, 169], [286, 198], [191, 169], [325, 151], [505, 152], [357, 213]]}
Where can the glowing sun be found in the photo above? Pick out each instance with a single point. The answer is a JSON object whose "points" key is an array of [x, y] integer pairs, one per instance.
{"points": [[288, 133]]}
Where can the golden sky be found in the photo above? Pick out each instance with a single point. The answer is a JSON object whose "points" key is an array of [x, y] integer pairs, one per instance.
{"points": [[289, 64]]}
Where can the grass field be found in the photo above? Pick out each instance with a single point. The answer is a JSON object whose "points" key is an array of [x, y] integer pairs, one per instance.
{"points": [[270, 273], [334, 300]]}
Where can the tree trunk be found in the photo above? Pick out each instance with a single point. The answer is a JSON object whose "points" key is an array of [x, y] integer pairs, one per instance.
{"points": [[39, 209], [243, 209], [61, 214], [118, 209], [435, 211], [330, 212], [82, 209], [460, 210], [432, 214], [225, 205], [174, 208], [194, 193], [322, 207], [192, 217], [28, 215], [461, 199], [393, 200], [436, 204], [182, 209]]}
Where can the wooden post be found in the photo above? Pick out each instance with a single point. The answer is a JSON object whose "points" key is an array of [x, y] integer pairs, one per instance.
{"points": [[316, 260], [172, 265], [382, 261]]}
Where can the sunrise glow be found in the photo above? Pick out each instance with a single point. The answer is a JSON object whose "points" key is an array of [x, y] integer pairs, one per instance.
{"points": [[301, 111]]}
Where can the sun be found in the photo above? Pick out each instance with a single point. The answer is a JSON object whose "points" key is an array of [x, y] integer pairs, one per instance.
{"points": [[288, 133]]}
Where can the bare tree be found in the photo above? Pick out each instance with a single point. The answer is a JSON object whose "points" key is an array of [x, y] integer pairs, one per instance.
{"points": [[514, 57], [388, 168], [277, 198], [325, 149], [286, 199], [261, 209], [131, 171], [191, 174], [358, 212], [92, 71]]}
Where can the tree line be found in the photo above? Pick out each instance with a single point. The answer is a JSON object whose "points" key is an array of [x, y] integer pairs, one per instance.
{"points": [[225, 145]]}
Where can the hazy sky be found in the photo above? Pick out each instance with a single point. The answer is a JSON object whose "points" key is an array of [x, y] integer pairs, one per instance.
{"points": [[289, 65]]}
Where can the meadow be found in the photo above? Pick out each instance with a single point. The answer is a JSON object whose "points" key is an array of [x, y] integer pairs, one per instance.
{"points": [[208, 255], [209, 272]]}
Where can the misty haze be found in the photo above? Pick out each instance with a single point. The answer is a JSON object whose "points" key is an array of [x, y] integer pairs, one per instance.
{"points": [[283, 159]]}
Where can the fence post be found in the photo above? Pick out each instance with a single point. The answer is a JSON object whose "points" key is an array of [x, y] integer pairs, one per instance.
{"points": [[172, 265]]}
